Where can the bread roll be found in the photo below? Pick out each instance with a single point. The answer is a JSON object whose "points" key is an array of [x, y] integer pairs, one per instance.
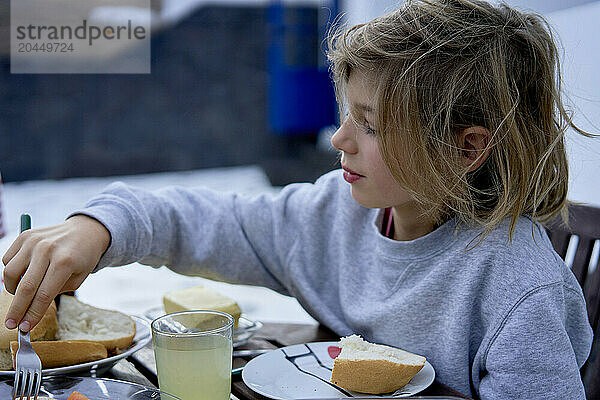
{"points": [[44, 330], [373, 368], [82, 322], [5, 360], [200, 298], [58, 353]]}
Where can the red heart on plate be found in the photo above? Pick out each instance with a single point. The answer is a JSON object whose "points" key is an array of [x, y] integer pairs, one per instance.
{"points": [[334, 351]]}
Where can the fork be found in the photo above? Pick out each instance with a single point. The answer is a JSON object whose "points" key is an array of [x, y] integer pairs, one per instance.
{"points": [[28, 370], [28, 367]]}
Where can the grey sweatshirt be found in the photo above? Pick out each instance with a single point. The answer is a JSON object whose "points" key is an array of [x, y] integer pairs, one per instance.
{"points": [[503, 320]]}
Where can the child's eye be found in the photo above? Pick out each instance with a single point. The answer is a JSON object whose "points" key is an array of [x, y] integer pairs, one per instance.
{"points": [[368, 129], [362, 122]]}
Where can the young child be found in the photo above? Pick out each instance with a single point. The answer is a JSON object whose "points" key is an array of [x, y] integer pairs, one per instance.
{"points": [[428, 239]]}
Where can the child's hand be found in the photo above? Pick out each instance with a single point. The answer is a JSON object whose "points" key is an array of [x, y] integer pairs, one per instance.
{"points": [[41, 263]]}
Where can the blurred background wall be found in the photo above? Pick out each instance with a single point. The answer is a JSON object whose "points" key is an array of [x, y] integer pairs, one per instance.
{"points": [[361, 11], [205, 104], [226, 78]]}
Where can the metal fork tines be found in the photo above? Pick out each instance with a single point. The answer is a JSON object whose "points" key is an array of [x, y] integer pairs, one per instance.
{"points": [[28, 370]]}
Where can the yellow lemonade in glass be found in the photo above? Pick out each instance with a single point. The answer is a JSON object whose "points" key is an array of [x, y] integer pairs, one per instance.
{"points": [[193, 365]]}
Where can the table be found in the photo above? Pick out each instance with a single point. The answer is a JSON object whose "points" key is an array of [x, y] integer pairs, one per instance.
{"points": [[141, 368]]}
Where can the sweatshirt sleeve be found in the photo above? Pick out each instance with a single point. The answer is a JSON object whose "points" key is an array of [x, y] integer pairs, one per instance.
{"points": [[538, 350], [199, 232]]}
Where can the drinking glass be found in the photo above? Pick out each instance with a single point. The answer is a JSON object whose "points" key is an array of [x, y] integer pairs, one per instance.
{"points": [[193, 352]]}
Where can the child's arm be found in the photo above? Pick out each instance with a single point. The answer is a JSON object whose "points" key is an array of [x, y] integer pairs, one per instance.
{"points": [[532, 356], [194, 232], [200, 232]]}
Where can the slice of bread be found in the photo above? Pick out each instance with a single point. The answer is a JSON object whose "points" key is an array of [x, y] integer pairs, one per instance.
{"points": [[44, 330], [373, 368], [58, 353], [200, 298], [82, 322]]}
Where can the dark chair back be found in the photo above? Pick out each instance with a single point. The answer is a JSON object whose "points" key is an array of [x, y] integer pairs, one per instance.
{"points": [[577, 243]]}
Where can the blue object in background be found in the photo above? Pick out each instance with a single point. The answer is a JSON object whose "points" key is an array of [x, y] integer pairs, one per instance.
{"points": [[300, 94]]}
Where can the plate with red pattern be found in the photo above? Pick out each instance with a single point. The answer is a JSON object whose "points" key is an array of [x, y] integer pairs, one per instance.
{"points": [[303, 371]]}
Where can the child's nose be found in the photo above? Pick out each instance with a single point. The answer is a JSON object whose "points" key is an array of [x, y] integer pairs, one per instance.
{"points": [[344, 138]]}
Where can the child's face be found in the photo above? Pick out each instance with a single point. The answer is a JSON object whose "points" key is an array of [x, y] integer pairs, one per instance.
{"points": [[371, 181]]}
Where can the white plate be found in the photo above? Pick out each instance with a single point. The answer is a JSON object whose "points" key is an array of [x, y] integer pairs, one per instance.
{"points": [[245, 330], [142, 337], [275, 376]]}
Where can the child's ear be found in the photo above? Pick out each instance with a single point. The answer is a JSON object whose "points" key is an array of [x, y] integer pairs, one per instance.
{"points": [[474, 144]]}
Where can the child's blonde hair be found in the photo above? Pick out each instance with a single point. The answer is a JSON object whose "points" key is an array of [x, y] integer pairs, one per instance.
{"points": [[441, 66]]}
